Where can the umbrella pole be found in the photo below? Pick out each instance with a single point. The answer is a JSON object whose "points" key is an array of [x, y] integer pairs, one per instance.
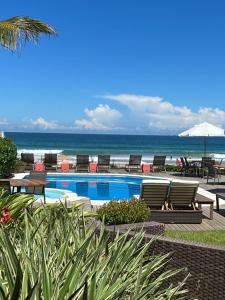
{"points": [[204, 146]]}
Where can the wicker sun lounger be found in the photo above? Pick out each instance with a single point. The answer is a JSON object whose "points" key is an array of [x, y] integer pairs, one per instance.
{"points": [[50, 161], [155, 192], [134, 163], [182, 194], [171, 202], [103, 163], [28, 158], [159, 162], [82, 163]]}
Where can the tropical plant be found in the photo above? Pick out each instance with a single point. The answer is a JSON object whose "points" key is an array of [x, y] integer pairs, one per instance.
{"points": [[8, 153], [124, 212], [16, 31], [54, 256], [13, 206]]}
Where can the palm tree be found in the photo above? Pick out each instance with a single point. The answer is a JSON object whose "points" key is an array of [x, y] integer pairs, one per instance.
{"points": [[16, 31]]}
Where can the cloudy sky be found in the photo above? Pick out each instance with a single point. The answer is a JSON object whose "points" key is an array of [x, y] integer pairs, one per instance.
{"points": [[130, 66]]}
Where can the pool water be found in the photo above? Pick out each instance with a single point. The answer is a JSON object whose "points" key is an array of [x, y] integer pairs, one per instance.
{"points": [[52, 195], [98, 187]]}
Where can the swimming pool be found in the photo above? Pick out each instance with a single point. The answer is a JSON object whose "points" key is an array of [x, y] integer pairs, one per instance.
{"points": [[52, 194], [98, 187]]}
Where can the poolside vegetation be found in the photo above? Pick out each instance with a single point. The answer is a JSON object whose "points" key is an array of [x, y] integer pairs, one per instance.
{"points": [[53, 252], [8, 153], [210, 237], [124, 212]]}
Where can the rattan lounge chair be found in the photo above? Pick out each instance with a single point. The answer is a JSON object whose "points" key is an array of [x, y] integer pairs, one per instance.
{"points": [[155, 192], [211, 172], [50, 161], [190, 168], [103, 163], [205, 164], [82, 163], [134, 163], [37, 190], [159, 162], [182, 194], [28, 158]]}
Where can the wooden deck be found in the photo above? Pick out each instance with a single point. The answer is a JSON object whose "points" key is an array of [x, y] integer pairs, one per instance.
{"points": [[217, 223]]}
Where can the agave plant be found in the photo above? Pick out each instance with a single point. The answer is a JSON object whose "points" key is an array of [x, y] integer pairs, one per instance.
{"points": [[16, 31], [52, 255]]}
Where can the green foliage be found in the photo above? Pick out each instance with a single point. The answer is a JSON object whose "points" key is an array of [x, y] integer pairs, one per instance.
{"points": [[17, 31], [211, 237], [8, 154], [20, 166], [124, 212], [53, 256], [173, 168], [16, 203]]}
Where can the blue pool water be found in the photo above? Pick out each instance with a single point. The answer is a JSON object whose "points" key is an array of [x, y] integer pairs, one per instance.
{"points": [[51, 194], [98, 187]]}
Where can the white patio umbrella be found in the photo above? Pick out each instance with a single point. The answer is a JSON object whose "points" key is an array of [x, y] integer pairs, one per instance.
{"points": [[204, 130]]}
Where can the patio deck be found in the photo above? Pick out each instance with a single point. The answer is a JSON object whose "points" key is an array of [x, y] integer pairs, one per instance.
{"points": [[218, 221]]}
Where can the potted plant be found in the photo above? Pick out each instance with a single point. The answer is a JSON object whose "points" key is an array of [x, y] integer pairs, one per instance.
{"points": [[20, 166]]}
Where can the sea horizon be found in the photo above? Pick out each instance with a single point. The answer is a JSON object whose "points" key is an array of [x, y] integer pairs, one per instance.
{"points": [[119, 145]]}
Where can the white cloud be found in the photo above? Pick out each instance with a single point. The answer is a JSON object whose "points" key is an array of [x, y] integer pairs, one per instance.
{"points": [[44, 124], [156, 113], [3, 121], [102, 117]]}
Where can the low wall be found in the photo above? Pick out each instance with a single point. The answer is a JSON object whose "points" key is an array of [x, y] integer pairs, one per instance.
{"points": [[206, 264]]}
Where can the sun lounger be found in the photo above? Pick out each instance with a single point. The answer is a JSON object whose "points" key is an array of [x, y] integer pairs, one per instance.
{"points": [[182, 194], [171, 202], [159, 162], [134, 163], [28, 158], [155, 192], [82, 163], [103, 163], [189, 167], [50, 161], [37, 190]]}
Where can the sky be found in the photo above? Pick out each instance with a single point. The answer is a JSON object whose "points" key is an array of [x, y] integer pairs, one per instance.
{"points": [[116, 66]]}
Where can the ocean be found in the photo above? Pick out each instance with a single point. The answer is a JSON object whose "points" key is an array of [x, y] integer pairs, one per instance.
{"points": [[119, 146]]}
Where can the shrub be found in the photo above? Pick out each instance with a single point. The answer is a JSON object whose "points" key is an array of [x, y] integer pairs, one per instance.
{"points": [[173, 168], [60, 257], [124, 212], [20, 166], [8, 154]]}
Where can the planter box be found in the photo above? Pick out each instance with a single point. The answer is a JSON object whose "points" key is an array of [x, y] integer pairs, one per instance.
{"points": [[177, 216]]}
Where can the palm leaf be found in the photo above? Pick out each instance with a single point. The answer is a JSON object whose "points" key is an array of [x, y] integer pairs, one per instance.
{"points": [[17, 31]]}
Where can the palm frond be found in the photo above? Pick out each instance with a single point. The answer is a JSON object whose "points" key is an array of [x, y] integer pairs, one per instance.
{"points": [[17, 31]]}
